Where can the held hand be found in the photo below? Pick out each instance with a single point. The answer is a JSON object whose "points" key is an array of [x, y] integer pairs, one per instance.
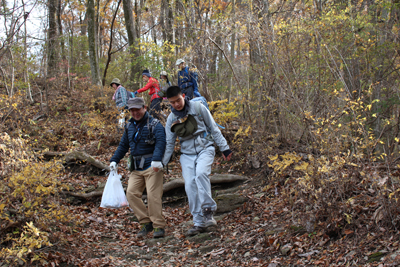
{"points": [[155, 169], [135, 93], [113, 166], [227, 158]]}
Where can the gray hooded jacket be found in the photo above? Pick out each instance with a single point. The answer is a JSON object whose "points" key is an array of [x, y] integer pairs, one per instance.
{"points": [[196, 142]]}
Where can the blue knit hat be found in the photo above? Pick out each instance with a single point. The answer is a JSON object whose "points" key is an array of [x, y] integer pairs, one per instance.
{"points": [[147, 73]]}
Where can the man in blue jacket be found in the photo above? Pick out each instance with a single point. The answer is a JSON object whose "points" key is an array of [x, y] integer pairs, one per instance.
{"points": [[187, 80], [146, 141]]}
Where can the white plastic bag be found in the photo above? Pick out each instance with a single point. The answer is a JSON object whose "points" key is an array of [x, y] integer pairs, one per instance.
{"points": [[113, 194]]}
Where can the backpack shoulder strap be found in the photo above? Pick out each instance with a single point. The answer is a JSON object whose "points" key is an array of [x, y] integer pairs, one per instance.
{"points": [[153, 125], [197, 107], [126, 127]]}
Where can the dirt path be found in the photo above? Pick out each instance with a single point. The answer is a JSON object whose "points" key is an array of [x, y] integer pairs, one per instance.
{"points": [[110, 235]]}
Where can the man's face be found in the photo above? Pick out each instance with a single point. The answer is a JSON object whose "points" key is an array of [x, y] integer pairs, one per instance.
{"points": [[177, 102], [145, 78], [181, 66], [138, 113]]}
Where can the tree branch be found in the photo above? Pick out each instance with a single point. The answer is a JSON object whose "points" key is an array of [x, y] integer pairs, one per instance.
{"points": [[110, 46], [227, 59]]}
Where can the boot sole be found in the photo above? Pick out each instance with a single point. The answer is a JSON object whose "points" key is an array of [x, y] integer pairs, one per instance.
{"points": [[210, 224]]}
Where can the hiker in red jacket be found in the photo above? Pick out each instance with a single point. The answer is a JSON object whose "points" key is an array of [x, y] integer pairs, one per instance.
{"points": [[154, 86]]}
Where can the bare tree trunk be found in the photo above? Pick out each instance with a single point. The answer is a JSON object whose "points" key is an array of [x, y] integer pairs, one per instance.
{"points": [[12, 72], [233, 42], [178, 27], [52, 39], [26, 75], [83, 23], [153, 30], [163, 15], [170, 22], [111, 40], [133, 40], [94, 61], [97, 30], [60, 29], [71, 60]]}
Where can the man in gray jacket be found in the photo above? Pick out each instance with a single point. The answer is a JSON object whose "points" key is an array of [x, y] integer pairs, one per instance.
{"points": [[193, 123]]}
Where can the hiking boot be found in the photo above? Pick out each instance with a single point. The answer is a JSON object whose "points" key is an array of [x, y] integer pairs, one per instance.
{"points": [[208, 217], [158, 232], [195, 230], [146, 228]]}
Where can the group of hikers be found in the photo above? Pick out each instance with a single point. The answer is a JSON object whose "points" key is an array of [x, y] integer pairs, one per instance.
{"points": [[187, 81], [151, 147]]}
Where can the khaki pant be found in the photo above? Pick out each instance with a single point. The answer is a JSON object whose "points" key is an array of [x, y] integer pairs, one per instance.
{"points": [[153, 182]]}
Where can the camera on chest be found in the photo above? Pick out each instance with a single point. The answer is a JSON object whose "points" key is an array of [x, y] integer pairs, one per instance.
{"points": [[150, 139]]}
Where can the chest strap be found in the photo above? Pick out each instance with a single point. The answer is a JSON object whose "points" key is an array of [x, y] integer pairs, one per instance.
{"points": [[142, 158]]}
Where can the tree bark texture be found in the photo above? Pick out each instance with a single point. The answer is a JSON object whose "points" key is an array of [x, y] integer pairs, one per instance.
{"points": [[134, 51], [94, 61], [52, 39]]}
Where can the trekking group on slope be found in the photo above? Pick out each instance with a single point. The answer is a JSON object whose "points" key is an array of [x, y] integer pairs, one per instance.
{"points": [[151, 147]]}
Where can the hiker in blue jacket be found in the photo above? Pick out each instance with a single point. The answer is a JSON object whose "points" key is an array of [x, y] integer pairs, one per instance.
{"points": [[145, 137], [187, 80], [193, 123]]}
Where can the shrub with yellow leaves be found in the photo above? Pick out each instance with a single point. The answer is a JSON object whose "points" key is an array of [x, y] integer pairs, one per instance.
{"points": [[30, 195], [31, 239], [13, 154], [223, 112]]}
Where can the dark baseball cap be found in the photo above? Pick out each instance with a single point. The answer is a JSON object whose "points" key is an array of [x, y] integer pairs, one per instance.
{"points": [[135, 102]]}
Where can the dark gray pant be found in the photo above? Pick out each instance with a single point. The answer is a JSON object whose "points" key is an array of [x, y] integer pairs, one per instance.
{"points": [[155, 108]]}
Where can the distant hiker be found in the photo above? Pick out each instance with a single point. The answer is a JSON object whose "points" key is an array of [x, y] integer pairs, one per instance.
{"points": [[120, 97], [187, 80], [164, 83], [145, 137], [193, 123], [153, 85]]}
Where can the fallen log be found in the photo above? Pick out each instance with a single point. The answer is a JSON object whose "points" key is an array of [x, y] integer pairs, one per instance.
{"points": [[214, 179], [77, 156], [177, 183]]}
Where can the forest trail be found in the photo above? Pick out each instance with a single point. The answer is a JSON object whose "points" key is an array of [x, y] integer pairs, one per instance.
{"points": [[110, 234], [259, 231]]}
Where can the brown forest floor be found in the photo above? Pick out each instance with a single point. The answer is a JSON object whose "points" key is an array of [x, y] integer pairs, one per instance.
{"points": [[264, 231], [259, 233]]}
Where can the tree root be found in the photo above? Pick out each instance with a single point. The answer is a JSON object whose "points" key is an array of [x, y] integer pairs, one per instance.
{"points": [[76, 156]]}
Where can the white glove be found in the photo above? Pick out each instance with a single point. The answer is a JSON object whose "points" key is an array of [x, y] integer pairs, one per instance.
{"points": [[113, 166], [156, 165]]}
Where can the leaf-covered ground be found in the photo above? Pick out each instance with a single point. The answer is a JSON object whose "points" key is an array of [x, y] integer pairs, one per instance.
{"points": [[262, 232], [289, 219]]}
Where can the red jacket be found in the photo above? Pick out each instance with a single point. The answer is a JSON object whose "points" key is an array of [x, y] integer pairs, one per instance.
{"points": [[154, 87]]}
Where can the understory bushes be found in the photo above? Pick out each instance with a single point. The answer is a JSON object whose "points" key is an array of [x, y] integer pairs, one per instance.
{"points": [[335, 194], [31, 214]]}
